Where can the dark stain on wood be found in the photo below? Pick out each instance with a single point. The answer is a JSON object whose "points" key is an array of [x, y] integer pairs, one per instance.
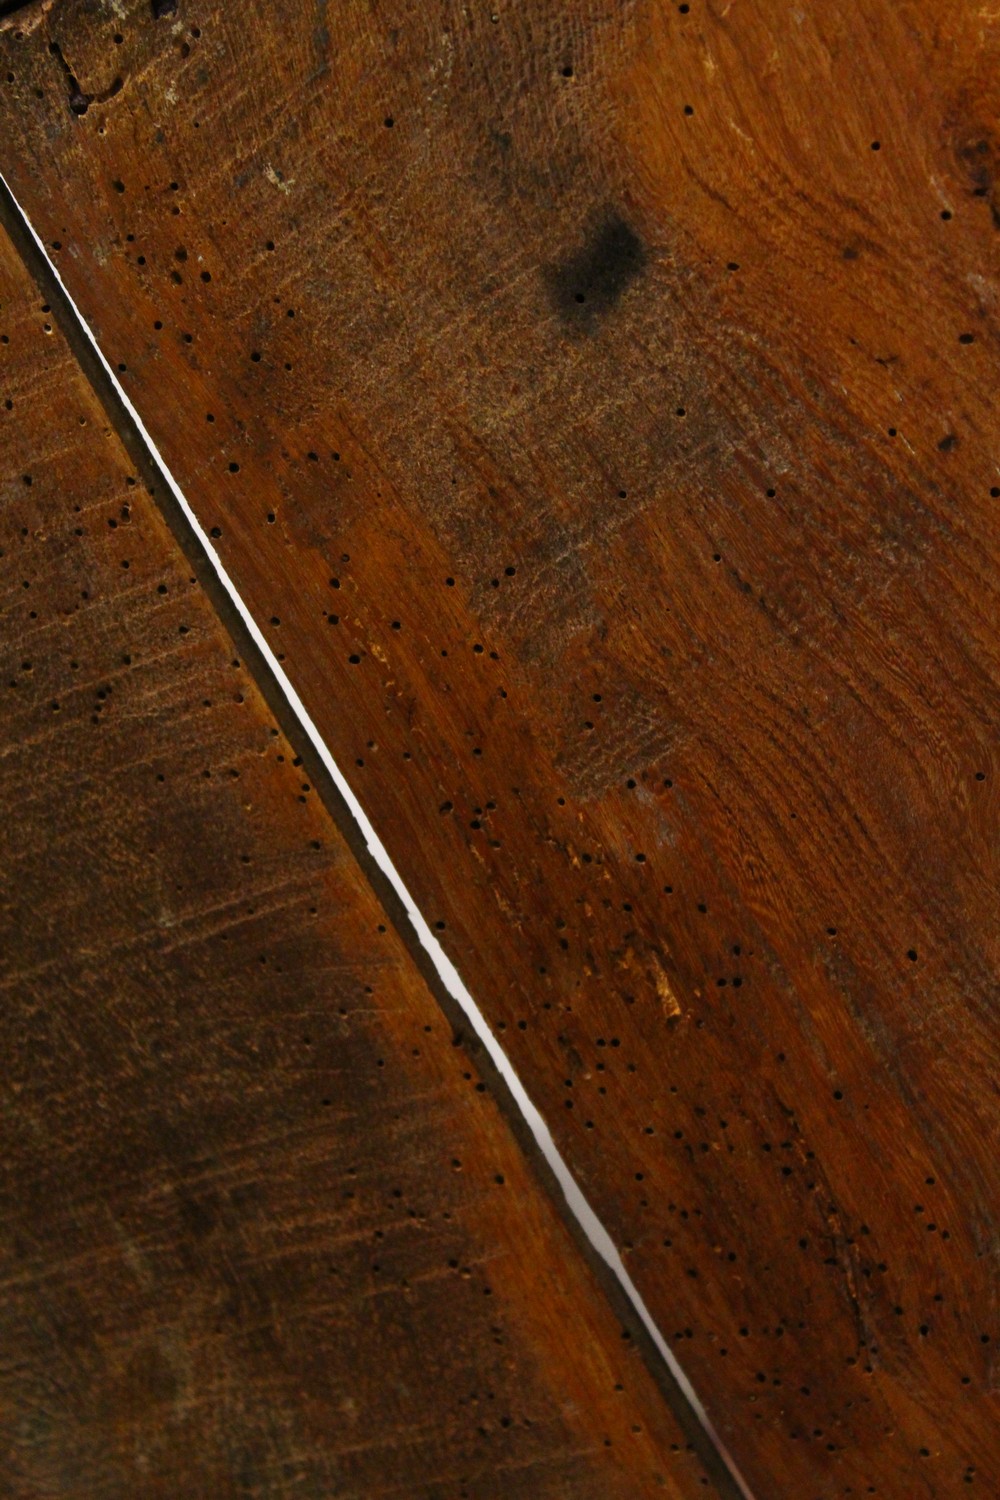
{"points": [[593, 280]]}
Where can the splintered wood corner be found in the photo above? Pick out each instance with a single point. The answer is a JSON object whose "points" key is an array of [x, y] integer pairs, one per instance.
{"points": [[595, 404]]}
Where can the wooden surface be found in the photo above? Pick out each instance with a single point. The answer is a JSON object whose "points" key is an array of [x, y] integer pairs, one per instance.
{"points": [[595, 403], [262, 1232]]}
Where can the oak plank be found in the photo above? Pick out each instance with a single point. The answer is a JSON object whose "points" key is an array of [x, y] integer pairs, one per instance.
{"points": [[598, 402]]}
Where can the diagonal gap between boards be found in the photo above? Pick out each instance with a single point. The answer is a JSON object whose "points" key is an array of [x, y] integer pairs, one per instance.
{"points": [[437, 970]]}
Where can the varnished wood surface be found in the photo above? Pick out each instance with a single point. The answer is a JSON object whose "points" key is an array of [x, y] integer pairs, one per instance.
{"points": [[262, 1233], [595, 402]]}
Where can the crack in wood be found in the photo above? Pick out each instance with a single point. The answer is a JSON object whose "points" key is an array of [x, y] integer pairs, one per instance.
{"points": [[79, 100]]}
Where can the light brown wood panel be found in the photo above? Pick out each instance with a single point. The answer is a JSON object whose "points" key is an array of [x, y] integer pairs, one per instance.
{"points": [[595, 403], [263, 1229]]}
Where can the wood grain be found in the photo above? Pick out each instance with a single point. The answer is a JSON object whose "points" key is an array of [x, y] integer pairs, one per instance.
{"points": [[263, 1231], [595, 404]]}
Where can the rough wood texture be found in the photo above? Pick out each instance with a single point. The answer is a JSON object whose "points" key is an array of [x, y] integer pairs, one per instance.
{"points": [[262, 1233], [598, 402]]}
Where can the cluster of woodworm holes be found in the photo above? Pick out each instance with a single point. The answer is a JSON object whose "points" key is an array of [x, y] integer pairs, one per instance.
{"points": [[355, 658]]}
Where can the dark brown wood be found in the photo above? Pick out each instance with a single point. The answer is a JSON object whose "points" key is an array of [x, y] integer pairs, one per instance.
{"points": [[595, 403], [263, 1231]]}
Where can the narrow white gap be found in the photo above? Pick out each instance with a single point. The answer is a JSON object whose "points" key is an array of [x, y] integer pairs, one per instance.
{"points": [[578, 1205]]}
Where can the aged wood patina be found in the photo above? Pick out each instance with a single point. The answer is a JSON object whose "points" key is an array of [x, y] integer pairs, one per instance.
{"points": [[594, 403]]}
